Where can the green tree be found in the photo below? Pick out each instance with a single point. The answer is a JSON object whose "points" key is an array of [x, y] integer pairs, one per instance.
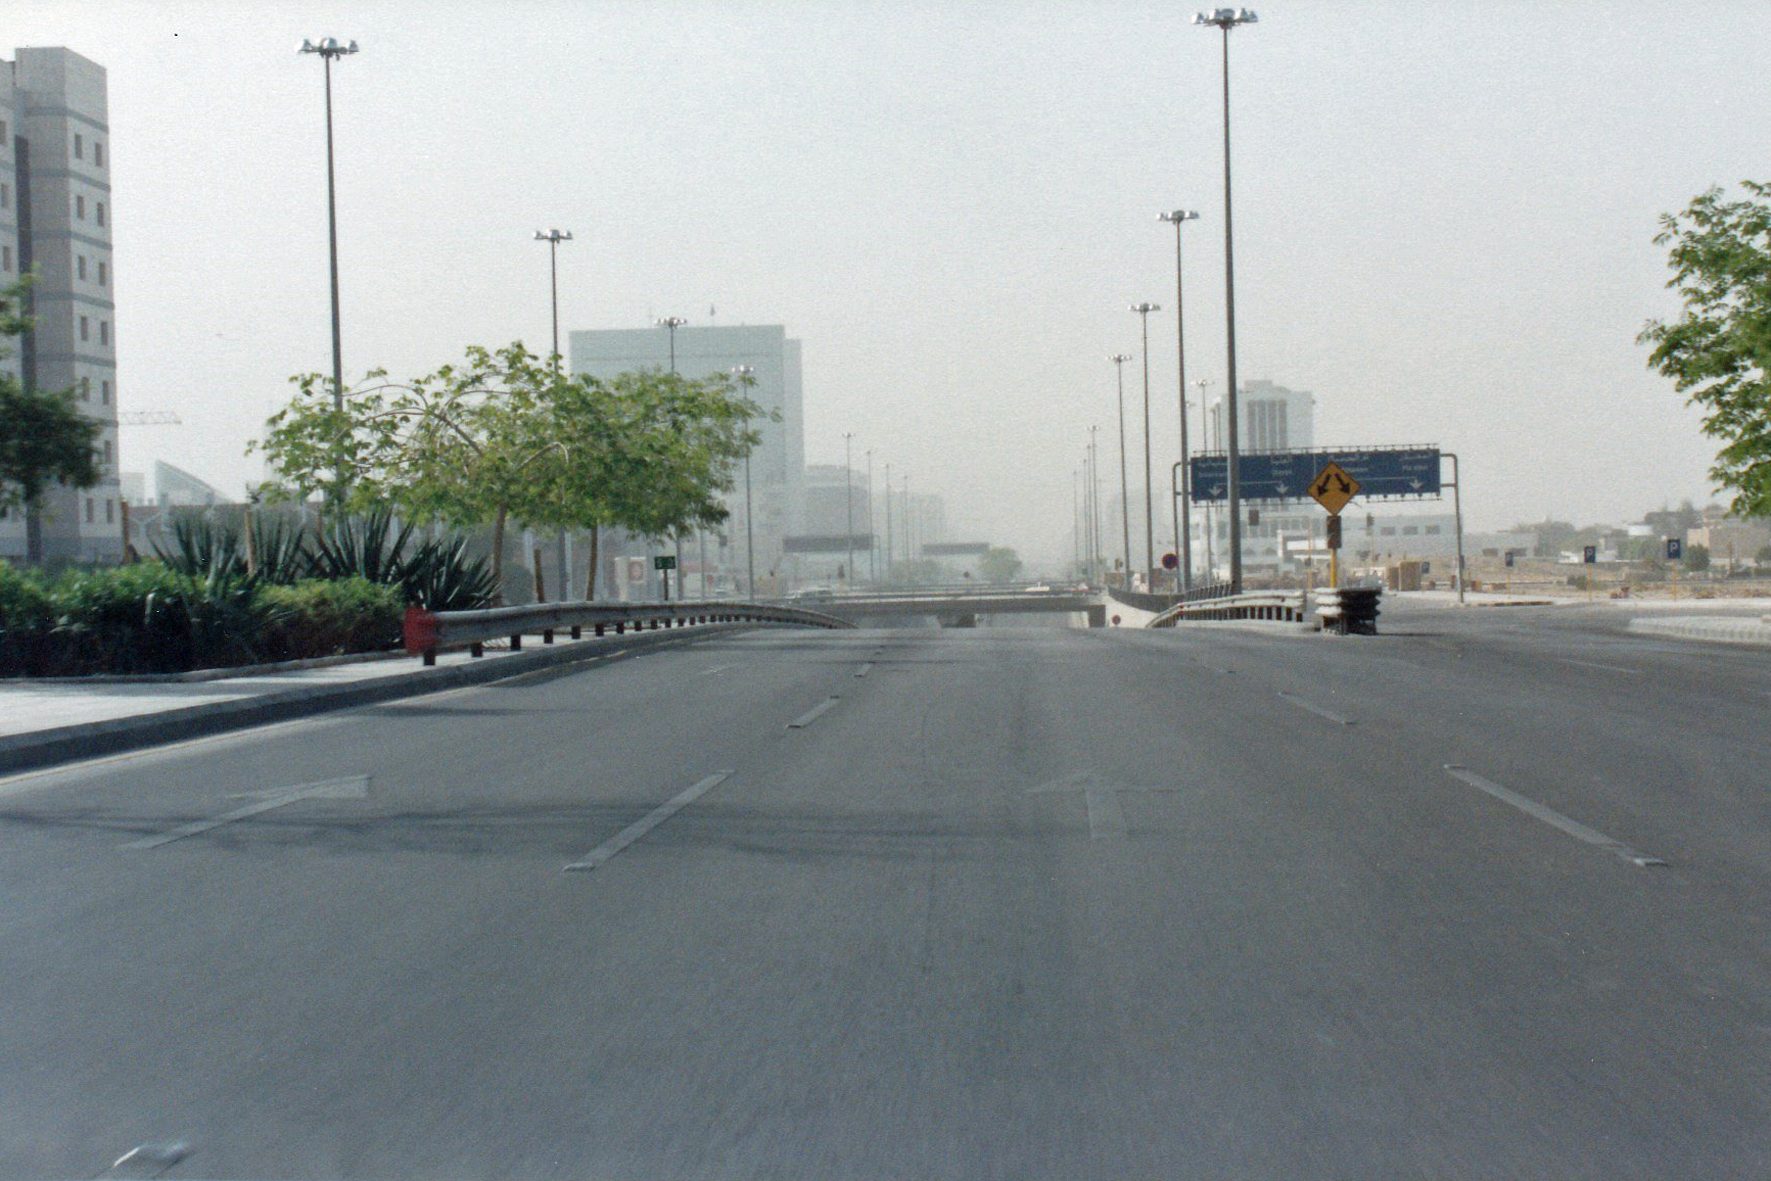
{"points": [[999, 564], [1697, 558], [1719, 352], [505, 436], [44, 438]]}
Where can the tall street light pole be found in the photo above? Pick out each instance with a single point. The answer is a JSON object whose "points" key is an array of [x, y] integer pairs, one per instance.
{"points": [[553, 238], [848, 480], [1205, 442], [1225, 19], [888, 523], [671, 324], [746, 376], [1143, 310], [328, 49], [1184, 510], [872, 542], [1119, 360], [1094, 490]]}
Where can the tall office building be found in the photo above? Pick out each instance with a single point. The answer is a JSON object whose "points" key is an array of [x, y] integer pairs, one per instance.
{"points": [[777, 466], [55, 217], [1269, 418]]}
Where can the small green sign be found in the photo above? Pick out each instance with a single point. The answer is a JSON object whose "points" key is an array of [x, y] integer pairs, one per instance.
{"points": [[664, 562]]}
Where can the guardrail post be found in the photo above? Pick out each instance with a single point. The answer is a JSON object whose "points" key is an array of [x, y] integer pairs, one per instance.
{"points": [[430, 658], [577, 631], [599, 629], [547, 635], [476, 650], [516, 642]]}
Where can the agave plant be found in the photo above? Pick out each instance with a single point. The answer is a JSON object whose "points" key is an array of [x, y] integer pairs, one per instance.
{"points": [[441, 577], [201, 547], [279, 550], [362, 547]]}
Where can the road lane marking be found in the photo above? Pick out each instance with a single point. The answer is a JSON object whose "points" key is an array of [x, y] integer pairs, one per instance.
{"points": [[1610, 668], [864, 669], [646, 824], [1106, 816], [1337, 719], [146, 1161], [353, 787], [813, 714], [708, 672], [1551, 817]]}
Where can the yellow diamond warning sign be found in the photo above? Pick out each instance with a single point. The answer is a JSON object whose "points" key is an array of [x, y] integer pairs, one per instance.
{"points": [[1333, 487]]}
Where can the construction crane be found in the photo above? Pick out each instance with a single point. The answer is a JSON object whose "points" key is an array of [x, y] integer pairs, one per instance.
{"points": [[149, 418]]}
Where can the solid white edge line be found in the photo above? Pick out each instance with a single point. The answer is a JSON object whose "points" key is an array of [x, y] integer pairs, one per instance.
{"points": [[813, 714], [1551, 817], [1337, 719], [1610, 668], [647, 823]]}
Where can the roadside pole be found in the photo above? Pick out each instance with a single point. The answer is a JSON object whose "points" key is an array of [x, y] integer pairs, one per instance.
{"points": [[1457, 509]]}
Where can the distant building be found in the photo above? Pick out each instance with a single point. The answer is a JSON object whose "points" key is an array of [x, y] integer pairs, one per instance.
{"points": [[777, 466], [1269, 417], [55, 216], [176, 488]]}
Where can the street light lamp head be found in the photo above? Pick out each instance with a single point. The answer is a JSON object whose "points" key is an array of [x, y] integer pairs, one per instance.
{"points": [[1225, 18], [1179, 216], [328, 47], [672, 322], [1144, 309], [1119, 358], [553, 235]]}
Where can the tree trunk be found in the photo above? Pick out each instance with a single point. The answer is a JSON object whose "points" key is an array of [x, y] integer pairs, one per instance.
{"points": [[33, 533], [498, 550], [596, 556]]}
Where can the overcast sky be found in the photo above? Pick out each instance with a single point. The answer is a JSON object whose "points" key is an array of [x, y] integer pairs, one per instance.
{"points": [[1444, 215]]}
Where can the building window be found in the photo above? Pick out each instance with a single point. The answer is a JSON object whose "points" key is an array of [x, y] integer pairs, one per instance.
{"points": [[5, 258], [1388, 531], [85, 389], [103, 274], [108, 453], [2, 129], [89, 510], [85, 328], [1410, 530], [79, 147], [104, 392], [5, 195], [80, 207], [110, 511], [1433, 528], [101, 213], [104, 332], [98, 153], [80, 265]]}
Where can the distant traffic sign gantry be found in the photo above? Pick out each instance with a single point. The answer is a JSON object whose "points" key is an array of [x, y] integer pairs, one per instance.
{"points": [[1380, 473]]}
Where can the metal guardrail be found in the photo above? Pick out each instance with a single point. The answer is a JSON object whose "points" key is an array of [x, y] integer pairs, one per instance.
{"points": [[1276, 606], [430, 632]]}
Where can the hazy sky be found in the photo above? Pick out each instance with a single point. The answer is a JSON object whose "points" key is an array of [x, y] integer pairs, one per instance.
{"points": [[1444, 215]]}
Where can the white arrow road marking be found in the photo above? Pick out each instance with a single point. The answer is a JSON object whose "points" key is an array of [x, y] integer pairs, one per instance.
{"points": [[354, 787], [647, 823], [1551, 817], [708, 672], [864, 669], [1105, 817], [146, 1160]]}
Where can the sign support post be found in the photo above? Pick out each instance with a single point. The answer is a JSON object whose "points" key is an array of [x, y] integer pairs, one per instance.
{"points": [[1457, 511]]}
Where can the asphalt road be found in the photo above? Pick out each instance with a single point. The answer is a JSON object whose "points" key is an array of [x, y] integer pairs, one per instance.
{"points": [[1007, 902]]}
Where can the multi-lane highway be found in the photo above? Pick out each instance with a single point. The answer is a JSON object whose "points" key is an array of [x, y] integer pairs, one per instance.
{"points": [[1011, 902]]}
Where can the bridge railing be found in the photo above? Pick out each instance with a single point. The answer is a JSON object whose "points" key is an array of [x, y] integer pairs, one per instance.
{"points": [[430, 632], [1273, 606]]}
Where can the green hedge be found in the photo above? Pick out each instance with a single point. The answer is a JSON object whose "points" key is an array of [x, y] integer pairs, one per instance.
{"points": [[149, 618]]}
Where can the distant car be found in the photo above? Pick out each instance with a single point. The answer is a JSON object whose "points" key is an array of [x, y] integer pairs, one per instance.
{"points": [[1039, 588], [813, 594]]}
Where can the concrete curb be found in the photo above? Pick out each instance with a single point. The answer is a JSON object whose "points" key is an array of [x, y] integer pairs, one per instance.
{"points": [[66, 744], [1716, 631]]}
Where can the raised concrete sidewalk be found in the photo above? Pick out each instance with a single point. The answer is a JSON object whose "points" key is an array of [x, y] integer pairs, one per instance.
{"points": [[43, 722]]}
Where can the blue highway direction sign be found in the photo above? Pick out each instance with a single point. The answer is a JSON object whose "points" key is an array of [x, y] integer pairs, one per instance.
{"points": [[1287, 475]]}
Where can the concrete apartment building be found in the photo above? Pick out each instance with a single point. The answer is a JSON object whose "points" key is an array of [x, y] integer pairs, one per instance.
{"points": [[777, 466], [56, 217]]}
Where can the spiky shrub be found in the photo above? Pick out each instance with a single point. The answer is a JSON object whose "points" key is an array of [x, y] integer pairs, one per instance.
{"points": [[200, 545], [439, 576], [150, 618], [368, 547]]}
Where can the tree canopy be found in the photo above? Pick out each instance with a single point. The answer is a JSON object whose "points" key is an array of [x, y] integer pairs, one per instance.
{"points": [[504, 436], [1719, 352]]}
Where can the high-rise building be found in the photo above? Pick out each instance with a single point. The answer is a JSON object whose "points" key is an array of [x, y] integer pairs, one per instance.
{"points": [[55, 218], [777, 466], [1269, 418]]}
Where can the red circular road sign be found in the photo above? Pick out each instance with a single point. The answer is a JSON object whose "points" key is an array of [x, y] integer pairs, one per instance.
{"points": [[1169, 561]]}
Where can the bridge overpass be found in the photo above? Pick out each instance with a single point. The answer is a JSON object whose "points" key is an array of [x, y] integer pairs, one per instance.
{"points": [[960, 606]]}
